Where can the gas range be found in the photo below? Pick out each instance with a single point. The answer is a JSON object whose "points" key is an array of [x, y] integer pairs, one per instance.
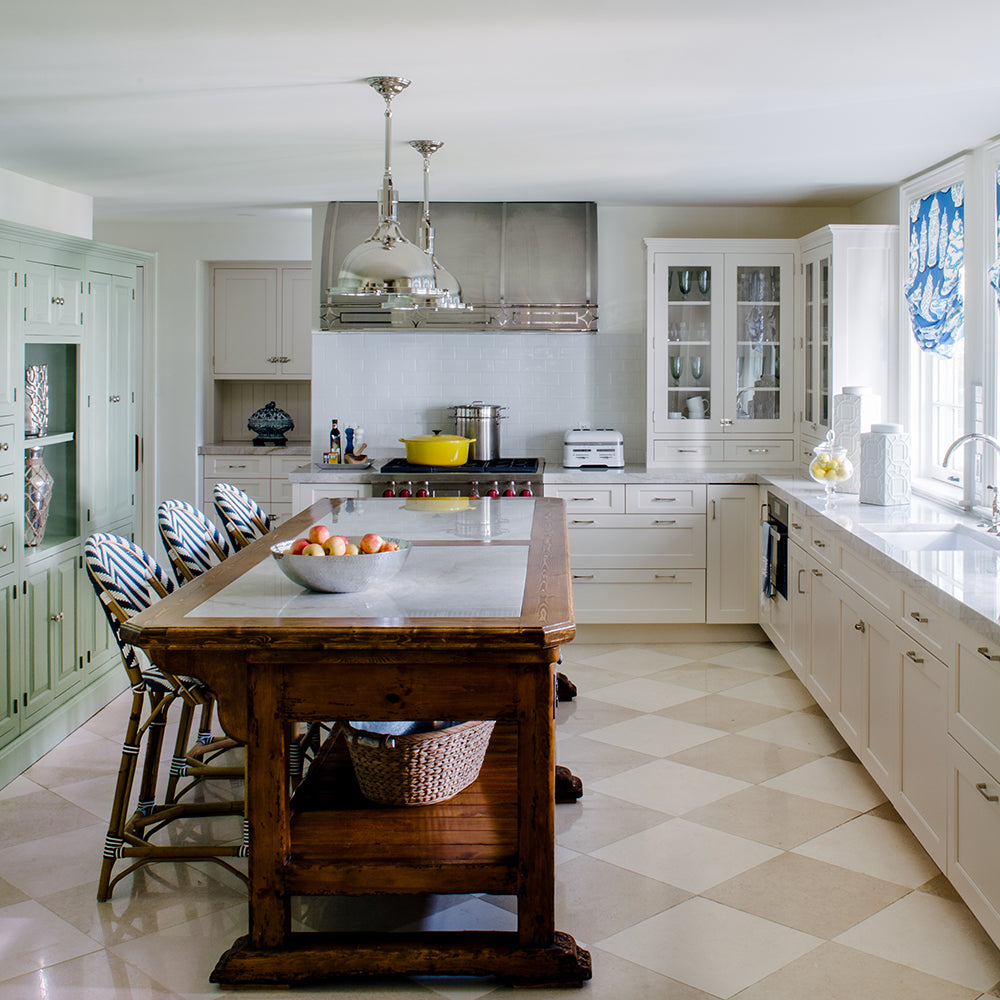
{"points": [[489, 477]]}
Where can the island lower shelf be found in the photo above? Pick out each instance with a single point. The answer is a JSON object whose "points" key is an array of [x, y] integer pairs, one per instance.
{"points": [[343, 844]]}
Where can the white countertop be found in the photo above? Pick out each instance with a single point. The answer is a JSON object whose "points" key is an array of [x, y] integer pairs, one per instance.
{"points": [[965, 585]]}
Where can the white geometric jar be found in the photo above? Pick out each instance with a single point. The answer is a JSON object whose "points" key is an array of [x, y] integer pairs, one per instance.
{"points": [[855, 409], [885, 466]]}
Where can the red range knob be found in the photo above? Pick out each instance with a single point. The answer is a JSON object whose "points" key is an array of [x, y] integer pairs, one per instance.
{"points": [[526, 492], [407, 490], [510, 491], [390, 490], [424, 491], [474, 491], [494, 491]]}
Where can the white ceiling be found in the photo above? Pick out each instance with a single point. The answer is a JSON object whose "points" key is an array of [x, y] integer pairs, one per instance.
{"points": [[240, 106]]}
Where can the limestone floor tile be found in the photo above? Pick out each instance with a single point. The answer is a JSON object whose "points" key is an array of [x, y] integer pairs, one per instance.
{"points": [[66, 764], [669, 787], [585, 676], [738, 756], [781, 692], [876, 847], [770, 816], [654, 735], [41, 811], [53, 864], [636, 661], [592, 761], [761, 658], [799, 729], [595, 899], [595, 820], [838, 782], [722, 711], [19, 786], [32, 937], [110, 721], [472, 914], [583, 714], [808, 895], [937, 936], [686, 855], [11, 894], [833, 972], [97, 976], [183, 955], [95, 795], [709, 946], [643, 695], [703, 676]]}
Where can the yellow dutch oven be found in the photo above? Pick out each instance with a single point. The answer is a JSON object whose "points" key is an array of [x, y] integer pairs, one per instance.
{"points": [[437, 449]]}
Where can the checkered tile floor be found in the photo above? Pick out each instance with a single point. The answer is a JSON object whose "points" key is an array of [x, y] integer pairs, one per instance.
{"points": [[728, 844]]}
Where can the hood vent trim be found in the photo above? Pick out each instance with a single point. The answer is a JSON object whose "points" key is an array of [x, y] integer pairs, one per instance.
{"points": [[524, 267]]}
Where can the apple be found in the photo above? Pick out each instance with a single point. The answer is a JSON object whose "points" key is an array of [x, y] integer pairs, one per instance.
{"points": [[352, 549], [336, 545], [298, 545], [389, 547], [370, 542], [313, 549], [318, 534]]}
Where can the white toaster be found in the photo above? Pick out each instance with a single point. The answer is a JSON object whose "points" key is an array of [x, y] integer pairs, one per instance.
{"points": [[602, 448]]}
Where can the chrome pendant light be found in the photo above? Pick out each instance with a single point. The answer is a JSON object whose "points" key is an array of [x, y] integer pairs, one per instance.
{"points": [[387, 263], [444, 280]]}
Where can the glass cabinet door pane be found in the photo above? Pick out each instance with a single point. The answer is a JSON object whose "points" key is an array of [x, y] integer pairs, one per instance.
{"points": [[689, 341], [758, 360], [824, 342], [809, 347]]}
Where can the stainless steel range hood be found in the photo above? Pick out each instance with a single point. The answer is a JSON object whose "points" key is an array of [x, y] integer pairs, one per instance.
{"points": [[525, 267]]}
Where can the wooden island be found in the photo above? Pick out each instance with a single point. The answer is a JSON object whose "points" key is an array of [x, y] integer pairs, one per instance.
{"points": [[470, 629]]}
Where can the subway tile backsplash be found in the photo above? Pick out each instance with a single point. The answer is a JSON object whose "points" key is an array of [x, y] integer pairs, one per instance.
{"points": [[399, 384]]}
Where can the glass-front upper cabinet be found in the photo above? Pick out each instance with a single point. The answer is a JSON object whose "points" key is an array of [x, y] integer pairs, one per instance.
{"points": [[718, 327], [817, 412]]}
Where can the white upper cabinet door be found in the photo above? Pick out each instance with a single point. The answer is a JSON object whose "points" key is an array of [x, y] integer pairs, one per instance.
{"points": [[246, 321], [296, 322], [53, 298]]}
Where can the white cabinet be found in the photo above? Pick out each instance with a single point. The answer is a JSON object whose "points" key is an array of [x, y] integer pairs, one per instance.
{"points": [[637, 551], [8, 289], [719, 360], [53, 293], [732, 564], [847, 321], [262, 322], [263, 474]]}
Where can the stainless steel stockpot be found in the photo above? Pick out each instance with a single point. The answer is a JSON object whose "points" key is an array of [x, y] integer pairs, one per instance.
{"points": [[481, 421]]}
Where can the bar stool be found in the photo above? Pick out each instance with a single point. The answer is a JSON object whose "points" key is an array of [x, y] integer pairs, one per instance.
{"points": [[242, 517]]}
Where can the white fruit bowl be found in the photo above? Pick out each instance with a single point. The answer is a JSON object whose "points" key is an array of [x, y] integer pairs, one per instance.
{"points": [[341, 574]]}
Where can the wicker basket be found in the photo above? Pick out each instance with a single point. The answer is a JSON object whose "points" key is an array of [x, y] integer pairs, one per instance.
{"points": [[420, 768]]}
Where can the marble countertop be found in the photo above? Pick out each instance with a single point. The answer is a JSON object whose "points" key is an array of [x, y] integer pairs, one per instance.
{"points": [[963, 584]]}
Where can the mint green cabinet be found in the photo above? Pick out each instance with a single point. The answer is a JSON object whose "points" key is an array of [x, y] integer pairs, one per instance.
{"points": [[53, 294], [10, 644]]}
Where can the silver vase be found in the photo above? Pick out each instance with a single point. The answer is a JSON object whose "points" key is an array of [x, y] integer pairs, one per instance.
{"points": [[37, 496], [36, 400]]}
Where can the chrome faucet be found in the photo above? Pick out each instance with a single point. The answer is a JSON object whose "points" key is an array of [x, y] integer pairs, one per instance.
{"points": [[994, 527]]}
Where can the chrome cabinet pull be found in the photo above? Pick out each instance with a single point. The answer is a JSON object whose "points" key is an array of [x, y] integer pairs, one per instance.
{"points": [[583, 576], [817, 572], [796, 526], [583, 499], [591, 521], [985, 651], [860, 626], [4, 497], [819, 544], [757, 451], [664, 576], [918, 617], [3, 548], [58, 301], [4, 446], [981, 788], [56, 618], [713, 510], [798, 582], [664, 500], [687, 451], [664, 522], [913, 656]]}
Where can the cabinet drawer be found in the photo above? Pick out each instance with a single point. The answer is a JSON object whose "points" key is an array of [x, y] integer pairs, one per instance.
{"points": [[10, 494], [758, 452], [283, 465], [929, 626], [601, 498], [258, 489], [873, 586], [637, 540], [974, 702], [686, 452], [8, 452], [6, 545], [632, 596], [240, 466], [672, 498], [822, 548], [973, 835]]}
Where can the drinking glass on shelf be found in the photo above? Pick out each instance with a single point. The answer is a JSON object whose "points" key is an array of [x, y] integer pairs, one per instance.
{"points": [[696, 369], [704, 280], [676, 367], [684, 281]]}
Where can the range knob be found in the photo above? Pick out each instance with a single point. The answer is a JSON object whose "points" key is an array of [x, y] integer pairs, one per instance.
{"points": [[425, 490], [494, 490], [510, 491], [474, 491], [390, 490], [526, 492], [407, 490]]}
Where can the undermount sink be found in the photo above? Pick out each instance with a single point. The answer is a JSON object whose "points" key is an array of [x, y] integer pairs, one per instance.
{"points": [[937, 538]]}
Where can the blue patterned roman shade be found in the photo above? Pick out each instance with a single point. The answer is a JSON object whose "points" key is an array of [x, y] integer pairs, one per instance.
{"points": [[935, 293]]}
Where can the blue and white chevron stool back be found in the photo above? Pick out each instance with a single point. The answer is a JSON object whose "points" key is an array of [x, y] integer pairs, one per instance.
{"points": [[241, 515], [193, 544]]}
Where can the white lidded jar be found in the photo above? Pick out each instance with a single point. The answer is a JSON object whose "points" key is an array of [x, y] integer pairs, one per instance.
{"points": [[885, 466], [855, 409]]}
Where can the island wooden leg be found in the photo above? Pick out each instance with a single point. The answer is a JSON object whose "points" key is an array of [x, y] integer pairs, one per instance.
{"points": [[268, 808]]}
